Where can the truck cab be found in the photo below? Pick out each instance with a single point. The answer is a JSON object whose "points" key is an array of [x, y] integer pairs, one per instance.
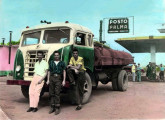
{"points": [[49, 38]]}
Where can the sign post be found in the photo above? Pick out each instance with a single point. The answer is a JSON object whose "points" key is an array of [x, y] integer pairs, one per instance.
{"points": [[118, 25]]}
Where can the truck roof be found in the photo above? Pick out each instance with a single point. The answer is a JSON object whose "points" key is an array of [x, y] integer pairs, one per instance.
{"points": [[60, 24]]}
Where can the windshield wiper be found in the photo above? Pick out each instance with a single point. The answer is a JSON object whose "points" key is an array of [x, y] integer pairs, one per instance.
{"points": [[63, 32]]}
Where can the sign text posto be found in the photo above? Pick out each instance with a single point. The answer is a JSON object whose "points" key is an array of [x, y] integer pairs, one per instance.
{"points": [[118, 25]]}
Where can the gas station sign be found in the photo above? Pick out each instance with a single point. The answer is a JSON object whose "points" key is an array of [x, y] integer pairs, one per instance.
{"points": [[118, 25]]}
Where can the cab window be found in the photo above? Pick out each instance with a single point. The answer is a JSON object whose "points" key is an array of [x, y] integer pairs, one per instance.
{"points": [[31, 38], [80, 39], [56, 36]]}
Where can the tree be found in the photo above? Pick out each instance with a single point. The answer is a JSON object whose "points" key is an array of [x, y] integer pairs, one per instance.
{"points": [[12, 42]]}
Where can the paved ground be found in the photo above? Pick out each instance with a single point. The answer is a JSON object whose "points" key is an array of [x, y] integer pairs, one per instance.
{"points": [[145, 100]]}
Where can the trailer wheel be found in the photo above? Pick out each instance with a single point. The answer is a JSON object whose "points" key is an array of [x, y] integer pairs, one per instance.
{"points": [[123, 80], [115, 81], [25, 91], [87, 88]]}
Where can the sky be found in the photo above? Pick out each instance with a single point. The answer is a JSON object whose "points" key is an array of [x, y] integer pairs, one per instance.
{"points": [[15, 15]]}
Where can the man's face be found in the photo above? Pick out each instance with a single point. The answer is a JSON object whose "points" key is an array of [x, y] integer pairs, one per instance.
{"points": [[56, 56], [39, 56], [75, 54]]}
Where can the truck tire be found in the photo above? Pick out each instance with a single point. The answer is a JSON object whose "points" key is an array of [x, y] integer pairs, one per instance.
{"points": [[25, 91], [87, 91], [122, 80], [87, 88], [115, 81]]}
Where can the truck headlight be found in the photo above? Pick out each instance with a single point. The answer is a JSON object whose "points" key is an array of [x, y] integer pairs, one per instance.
{"points": [[18, 68]]}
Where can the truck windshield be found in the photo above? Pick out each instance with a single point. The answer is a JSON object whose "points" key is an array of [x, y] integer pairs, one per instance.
{"points": [[31, 38], [56, 36]]}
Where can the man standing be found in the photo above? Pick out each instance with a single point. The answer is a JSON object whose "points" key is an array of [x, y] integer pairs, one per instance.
{"points": [[139, 73], [149, 71], [40, 72], [56, 70], [133, 69], [76, 70], [161, 74]]}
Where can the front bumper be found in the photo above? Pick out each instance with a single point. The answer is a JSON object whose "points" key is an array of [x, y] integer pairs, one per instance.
{"points": [[23, 82], [18, 82]]}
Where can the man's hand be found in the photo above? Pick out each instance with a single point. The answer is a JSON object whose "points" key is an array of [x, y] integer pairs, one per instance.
{"points": [[39, 82], [76, 71], [63, 83], [47, 82], [69, 66]]}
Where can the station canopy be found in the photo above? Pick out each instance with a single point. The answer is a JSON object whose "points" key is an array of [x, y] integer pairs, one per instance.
{"points": [[143, 44]]}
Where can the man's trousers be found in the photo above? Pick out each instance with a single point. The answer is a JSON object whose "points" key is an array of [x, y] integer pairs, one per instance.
{"points": [[161, 74], [54, 90], [80, 81], [133, 76], [34, 91]]}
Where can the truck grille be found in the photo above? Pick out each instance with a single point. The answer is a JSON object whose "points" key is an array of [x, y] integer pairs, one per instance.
{"points": [[30, 60]]}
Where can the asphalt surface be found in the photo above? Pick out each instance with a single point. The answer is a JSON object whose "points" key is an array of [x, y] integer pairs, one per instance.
{"points": [[145, 100]]}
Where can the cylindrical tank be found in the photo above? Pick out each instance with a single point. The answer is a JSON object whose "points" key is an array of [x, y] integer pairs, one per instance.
{"points": [[109, 57]]}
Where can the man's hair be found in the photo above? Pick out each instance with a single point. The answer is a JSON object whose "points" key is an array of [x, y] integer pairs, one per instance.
{"points": [[57, 52], [40, 52], [75, 49]]}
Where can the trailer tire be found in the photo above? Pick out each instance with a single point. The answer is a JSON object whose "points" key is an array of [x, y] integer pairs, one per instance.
{"points": [[25, 91], [87, 88], [122, 80], [115, 82]]}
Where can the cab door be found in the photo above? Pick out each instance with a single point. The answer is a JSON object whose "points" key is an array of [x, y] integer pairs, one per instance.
{"points": [[84, 43]]}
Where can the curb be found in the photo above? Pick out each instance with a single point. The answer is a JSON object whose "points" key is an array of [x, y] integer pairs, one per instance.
{"points": [[3, 115]]}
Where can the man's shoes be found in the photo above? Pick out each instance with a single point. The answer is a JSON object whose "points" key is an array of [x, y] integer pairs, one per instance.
{"points": [[51, 110], [30, 109], [78, 107], [57, 111], [35, 109]]}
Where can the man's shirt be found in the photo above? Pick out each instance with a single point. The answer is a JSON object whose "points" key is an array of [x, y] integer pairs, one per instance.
{"points": [[56, 68], [133, 68], [40, 68], [139, 69], [161, 68], [79, 61]]}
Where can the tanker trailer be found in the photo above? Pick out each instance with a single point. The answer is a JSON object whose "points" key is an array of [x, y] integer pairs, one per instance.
{"points": [[109, 66]]}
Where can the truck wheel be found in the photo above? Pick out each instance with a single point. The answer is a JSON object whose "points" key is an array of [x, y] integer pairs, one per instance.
{"points": [[115, 82], [87, 88], [122, 80], [25, 91]]}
